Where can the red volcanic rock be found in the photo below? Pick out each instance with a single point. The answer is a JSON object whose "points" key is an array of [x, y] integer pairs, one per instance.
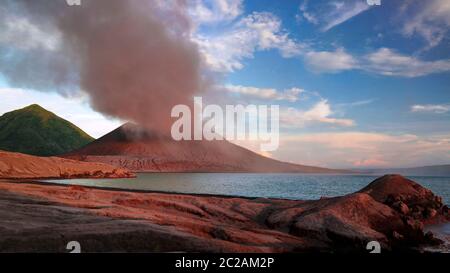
{"points": [[390, 186], [401, 207], [349, 221], [22, 166], [140, 150], [378, 212], [182, 222], [407, 197]]}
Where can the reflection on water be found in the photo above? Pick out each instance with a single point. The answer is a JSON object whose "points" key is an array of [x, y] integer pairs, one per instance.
{"points": [[289, 186]]}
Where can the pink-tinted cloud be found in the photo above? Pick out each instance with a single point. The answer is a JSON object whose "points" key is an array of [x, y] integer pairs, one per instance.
{"points": [[362, 149], [371, 162]]}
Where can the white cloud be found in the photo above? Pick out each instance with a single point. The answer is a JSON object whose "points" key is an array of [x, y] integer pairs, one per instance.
{"points": [[343, 11], [258, 31], [320, 113], [205, 12], [291, 95], [311, 18], [387, 62], [330, 61], [262, 31], [383, 61], [431, 108], [430, 19], [331, 14], [356, 103], [20, 33]]}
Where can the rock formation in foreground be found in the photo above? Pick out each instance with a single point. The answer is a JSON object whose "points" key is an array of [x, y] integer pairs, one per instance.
{"points": [[139, 150], [22, 166], [391, 210]]}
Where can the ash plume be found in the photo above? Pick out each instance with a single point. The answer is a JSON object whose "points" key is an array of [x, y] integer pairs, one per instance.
{"points": [[133, 58]]}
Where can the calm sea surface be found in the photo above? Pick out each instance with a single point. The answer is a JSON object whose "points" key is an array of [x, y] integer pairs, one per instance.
{"points": [[289, 186]]}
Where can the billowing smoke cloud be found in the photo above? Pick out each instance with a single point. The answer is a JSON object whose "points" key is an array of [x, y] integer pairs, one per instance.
{"points": [[134, 58]]}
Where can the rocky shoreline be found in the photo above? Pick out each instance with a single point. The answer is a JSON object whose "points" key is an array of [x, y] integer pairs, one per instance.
{"points": [[391, 210]]}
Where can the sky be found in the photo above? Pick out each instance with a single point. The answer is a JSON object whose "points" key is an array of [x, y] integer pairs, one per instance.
{"points": [[358, 86]]}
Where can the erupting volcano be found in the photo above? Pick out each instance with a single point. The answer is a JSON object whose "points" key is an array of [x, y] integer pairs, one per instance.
{"points": [[141, 150]]}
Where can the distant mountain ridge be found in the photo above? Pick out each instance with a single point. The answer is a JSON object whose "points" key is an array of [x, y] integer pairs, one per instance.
{"points": [[435, 170], [140, 150], [34, 130]]}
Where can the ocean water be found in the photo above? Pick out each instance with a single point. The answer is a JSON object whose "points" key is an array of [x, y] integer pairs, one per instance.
{"points": [[288, 186]]}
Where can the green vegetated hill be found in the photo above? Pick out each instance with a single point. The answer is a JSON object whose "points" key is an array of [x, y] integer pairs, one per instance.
{"points": [[36, 131]]}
